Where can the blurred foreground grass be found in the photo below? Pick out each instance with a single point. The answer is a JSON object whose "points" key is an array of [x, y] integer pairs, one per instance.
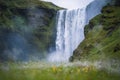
{"points": [[54, 72]]}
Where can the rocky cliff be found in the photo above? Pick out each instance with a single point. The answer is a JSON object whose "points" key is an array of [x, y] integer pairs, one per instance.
{"points": [[26, 29], [102, 36]]}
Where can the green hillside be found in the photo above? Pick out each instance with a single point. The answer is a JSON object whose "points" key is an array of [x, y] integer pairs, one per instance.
{"points": [[102, 37]]}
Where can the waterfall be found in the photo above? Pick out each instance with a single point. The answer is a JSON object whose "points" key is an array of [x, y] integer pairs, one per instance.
{"points": [[70, 29]]}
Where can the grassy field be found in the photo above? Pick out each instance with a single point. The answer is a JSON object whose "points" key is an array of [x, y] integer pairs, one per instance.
{"points": [[53, 72]]}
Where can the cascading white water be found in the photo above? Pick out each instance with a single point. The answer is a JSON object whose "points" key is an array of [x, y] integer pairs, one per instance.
{"points": [[70, 30]]}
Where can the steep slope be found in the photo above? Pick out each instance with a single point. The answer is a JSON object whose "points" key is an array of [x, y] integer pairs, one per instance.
{"points": [[102, 41], [26, 29]]}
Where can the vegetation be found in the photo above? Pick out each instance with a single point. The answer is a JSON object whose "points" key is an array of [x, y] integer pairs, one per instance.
{"points": [[55, 73], [9, 8], [102, 40], [101, 43], [33, 21]]}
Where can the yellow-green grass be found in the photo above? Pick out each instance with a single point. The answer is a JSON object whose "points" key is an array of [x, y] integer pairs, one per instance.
{"points": [[55, 73]]}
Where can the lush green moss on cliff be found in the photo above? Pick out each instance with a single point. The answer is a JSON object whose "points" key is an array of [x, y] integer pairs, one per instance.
{"points": [[102, 37], [26, 28], [8, 8]]}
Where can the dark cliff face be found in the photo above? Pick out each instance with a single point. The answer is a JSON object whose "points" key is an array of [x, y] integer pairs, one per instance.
{"points": [[26, 29], [102, 37]]}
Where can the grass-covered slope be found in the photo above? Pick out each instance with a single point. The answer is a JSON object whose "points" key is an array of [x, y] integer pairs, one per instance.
{"points": [[26, 29], [102, 37]]}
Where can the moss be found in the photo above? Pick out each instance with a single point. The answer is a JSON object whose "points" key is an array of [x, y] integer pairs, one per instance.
{"points": [[110, 19], [44, 35], [102, 37], [95, 21], [16, 17], [9, 8]]}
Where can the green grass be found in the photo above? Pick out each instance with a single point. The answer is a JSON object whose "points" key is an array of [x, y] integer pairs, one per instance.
{"points": [[102, 37], [55, 73]]}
